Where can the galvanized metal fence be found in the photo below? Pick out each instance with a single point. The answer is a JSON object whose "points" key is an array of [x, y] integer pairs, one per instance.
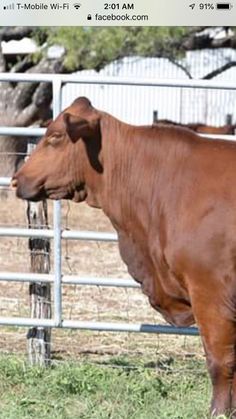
{"points": [[58, 234]]}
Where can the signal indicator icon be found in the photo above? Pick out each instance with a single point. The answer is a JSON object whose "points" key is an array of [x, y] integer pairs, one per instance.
{"points": [[9, 7], [77, 5]]}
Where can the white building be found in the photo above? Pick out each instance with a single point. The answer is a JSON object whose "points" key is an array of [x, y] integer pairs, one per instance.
{"points": [[136, 104]]}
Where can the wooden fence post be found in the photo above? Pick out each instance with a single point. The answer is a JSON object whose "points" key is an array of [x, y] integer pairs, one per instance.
{"points": [[39, 338]]}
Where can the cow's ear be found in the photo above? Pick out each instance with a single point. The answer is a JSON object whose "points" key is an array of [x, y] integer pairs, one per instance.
{"points": [[76, 127]]}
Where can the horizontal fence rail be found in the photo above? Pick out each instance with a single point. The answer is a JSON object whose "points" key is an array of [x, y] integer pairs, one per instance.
{"points": [[100, 326], [65, 234], [69, 279], [58, 279], [20, 132], [60, 79]]}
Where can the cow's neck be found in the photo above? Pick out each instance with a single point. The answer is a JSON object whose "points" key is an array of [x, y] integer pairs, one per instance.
{"points": [[139, 165], [134, 172]]}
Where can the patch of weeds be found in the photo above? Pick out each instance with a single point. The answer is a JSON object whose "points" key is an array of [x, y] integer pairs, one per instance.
{"points": [[123, 388]]}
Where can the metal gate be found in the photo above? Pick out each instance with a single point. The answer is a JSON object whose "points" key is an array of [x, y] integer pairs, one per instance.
{"points": [[57, 234]]}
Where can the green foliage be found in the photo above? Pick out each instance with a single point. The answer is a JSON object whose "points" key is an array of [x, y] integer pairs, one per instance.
{"points": [[119, 390], [94, 47], [160, 41]]}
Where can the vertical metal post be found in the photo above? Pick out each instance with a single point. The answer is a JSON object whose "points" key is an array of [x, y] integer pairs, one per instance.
{"points": [[229, 119], [155, 116], [56, 85]]}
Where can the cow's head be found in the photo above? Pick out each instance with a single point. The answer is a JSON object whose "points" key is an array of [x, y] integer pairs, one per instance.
{"points": [[66, 162]]}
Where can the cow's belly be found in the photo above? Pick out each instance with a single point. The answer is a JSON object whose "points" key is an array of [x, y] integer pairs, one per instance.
{"points": [[165, 292]]}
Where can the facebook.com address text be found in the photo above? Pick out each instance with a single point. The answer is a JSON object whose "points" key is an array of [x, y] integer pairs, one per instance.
{"points": [[123, 17]]}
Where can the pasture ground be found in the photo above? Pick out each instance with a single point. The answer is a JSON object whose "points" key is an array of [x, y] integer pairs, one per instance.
{"points": [[121, 388]]}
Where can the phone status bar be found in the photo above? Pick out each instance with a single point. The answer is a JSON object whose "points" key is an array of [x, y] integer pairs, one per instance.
{"points": [[130, 13]]}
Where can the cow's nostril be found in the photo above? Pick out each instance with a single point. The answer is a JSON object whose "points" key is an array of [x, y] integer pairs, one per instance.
{"points": [[13, 183]]}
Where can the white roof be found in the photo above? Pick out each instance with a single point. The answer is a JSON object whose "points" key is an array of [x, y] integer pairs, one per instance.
{"points": [[24, 46]]}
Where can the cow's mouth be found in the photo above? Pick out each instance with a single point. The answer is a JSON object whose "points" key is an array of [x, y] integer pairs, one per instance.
{"points": [[28, 194], [37, 193], [24, 191]]}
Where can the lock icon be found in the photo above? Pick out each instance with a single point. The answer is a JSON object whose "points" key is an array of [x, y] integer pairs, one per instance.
{"points": [[89, 17]]}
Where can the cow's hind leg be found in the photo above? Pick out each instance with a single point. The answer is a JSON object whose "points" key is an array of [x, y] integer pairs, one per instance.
{"points": [[218, 333]]}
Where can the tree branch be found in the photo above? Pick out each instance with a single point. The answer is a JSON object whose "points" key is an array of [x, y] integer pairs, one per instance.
{"points": [[23, 93], [205, 41], [35, 98], [181, 66], [22, 66], [38, 108], [219, 70], [15, 32]]}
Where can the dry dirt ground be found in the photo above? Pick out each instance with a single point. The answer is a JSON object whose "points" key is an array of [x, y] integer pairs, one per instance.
{"points": [[82, 302]]}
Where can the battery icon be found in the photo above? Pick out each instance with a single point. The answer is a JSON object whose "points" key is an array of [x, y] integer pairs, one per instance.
{"points": [[223, 6]]}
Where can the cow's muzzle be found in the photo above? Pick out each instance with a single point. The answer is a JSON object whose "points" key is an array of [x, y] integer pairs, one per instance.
{"points": [[25, 189]]}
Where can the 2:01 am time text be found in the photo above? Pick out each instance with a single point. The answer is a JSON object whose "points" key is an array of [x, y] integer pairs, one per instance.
{"points": [[117, 6]]}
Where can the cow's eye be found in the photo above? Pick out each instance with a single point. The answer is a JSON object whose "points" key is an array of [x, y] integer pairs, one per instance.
{"points": [[54, 139]]}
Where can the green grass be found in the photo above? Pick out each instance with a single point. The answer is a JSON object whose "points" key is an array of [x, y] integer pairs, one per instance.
{"points": [[127, 389]]}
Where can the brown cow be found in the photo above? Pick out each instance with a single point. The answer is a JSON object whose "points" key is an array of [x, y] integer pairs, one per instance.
{"points": [[200, 128], [171, 196]]}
